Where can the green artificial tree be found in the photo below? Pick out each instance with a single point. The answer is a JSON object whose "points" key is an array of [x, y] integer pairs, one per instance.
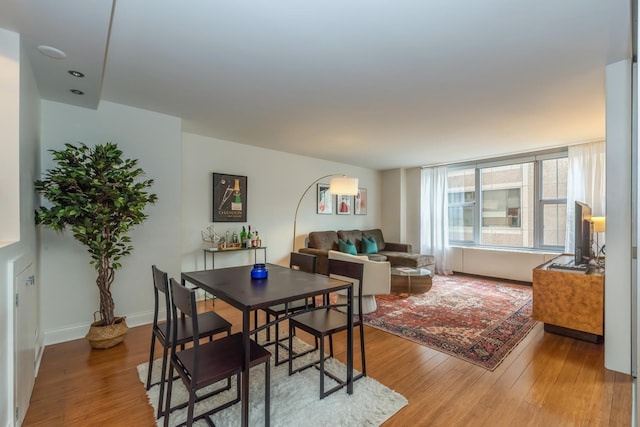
{"points": [[99, 196]]}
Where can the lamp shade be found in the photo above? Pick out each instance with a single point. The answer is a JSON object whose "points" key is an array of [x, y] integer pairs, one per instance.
{"points": [[344, 185], [599, 224]]}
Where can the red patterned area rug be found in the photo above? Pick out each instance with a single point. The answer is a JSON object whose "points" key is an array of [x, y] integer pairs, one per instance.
{"points": [[475, 319]]}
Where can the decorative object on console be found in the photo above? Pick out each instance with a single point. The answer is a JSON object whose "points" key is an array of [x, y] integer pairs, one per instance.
{"points": [[229, 198], [339, 184], [210, 235], [360, 202]]}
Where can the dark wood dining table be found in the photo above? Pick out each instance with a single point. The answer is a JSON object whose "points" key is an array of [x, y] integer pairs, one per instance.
{"points": [[235, 286]]}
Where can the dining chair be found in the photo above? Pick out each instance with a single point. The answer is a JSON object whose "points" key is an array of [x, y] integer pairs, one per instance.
{"points": [[209, 323], [325, 322], [297, 261], [205, 364]]}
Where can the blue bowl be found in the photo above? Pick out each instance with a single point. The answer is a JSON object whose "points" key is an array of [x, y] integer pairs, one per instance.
{"points": [[259, 271]]}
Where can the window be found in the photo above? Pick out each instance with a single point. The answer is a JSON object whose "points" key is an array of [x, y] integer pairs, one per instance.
{"points": [[514, 202], [553, 202], [501, 208], [507, 204], [461, 197]]}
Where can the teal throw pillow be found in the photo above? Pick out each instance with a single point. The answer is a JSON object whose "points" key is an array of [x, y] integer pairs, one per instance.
{"points": [[369, 245], [347, 247]]}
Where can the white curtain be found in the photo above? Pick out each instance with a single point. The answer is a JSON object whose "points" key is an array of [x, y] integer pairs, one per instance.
{"points": [[434, 219], [585, 183]]}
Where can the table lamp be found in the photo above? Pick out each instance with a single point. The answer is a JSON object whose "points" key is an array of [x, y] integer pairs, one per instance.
{"points": [[599, 226]]}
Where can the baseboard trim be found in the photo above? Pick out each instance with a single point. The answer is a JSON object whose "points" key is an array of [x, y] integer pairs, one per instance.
{"points": [[572, 333], [56, 336]]}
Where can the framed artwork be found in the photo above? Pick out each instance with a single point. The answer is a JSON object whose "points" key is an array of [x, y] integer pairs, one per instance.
{"points": [[344, 205], [360, 202], [325, 200], [229, 198]]}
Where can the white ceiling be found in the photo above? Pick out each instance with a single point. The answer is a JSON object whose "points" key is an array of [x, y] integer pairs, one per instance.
{"points": [[376, 83]]}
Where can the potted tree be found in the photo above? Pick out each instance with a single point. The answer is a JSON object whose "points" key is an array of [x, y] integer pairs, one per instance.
{"points": [[99, 196]]}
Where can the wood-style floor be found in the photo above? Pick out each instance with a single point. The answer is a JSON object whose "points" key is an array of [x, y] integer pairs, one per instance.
{"points": [[547, 380]]}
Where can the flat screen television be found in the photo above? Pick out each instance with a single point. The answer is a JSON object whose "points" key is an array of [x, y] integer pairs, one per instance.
{"points": [[582, 236]]}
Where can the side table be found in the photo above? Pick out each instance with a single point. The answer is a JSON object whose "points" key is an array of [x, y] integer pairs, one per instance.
{"points": [[410, 280]]}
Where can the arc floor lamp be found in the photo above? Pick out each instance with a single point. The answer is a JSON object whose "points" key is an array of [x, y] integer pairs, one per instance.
{"points": [[339, 184]]}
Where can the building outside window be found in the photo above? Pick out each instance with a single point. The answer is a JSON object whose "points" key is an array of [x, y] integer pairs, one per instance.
{"points": [[516, 202], [461, 197], [501, 208]]}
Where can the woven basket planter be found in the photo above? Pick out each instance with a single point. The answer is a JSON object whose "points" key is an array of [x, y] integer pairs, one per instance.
{"points": [[107, 336]]}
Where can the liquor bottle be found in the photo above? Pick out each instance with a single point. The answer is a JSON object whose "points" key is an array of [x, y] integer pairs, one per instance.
{"points": [[258, 240], [236, 204], [243, 237]]}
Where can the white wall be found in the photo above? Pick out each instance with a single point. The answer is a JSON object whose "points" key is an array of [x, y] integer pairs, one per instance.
{"points": [[24, 172], [617, 289], [9, 184], [9, 135], [275, 182], [69, 293], [401, 208]]}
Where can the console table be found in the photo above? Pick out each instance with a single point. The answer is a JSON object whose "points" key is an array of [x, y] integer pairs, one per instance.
{"points": [[214, 251], [569, 303]]}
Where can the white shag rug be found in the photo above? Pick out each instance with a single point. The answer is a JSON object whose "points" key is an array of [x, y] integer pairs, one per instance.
{"points": [[295, 399]]}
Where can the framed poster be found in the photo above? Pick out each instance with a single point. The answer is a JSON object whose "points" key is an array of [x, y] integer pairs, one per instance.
{"points": [[229, 198], [360, 202], [325, 200], [344, 205]]}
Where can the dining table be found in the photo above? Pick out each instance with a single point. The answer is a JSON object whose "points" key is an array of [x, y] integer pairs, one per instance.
{"points": [[235, 286]]}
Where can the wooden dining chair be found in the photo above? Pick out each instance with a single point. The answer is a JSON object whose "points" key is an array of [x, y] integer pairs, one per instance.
{"points": [[297, 261], [205, 364], [325, 322], [303, 262], [209, 323]]}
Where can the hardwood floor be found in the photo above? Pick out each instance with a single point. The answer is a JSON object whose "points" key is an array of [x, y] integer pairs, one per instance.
{"points": [[547, 380]]}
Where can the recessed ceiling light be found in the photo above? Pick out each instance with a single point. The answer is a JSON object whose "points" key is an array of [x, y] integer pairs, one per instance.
{"points": [[75, 73], [77, 92], [52, 52]]}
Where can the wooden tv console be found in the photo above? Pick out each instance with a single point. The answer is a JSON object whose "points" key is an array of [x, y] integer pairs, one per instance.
{"points": [[569, 303]]}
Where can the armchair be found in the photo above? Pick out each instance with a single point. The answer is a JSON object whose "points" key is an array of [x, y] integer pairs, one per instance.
{"points": [[376, 279]]}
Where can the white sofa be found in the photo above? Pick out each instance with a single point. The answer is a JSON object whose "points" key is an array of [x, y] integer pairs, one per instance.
{"points": [[376, 280]]}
